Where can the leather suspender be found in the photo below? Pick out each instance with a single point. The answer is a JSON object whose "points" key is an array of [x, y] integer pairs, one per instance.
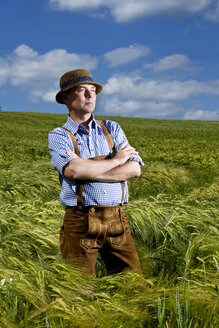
{"points": [[112, 152], [107, 135]]}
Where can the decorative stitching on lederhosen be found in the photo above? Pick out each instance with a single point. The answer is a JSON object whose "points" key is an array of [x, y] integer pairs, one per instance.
{"points": [[112, 153]]}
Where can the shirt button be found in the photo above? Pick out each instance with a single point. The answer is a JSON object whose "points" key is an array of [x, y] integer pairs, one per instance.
{"points": [[104, 192]]}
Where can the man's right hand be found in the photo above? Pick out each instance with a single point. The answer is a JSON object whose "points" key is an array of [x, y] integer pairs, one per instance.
{"points": [[125, 153]]}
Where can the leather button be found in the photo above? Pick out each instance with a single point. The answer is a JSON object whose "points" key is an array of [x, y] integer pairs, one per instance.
{"points": [[92, 209], [80, 207], [117, 209]]}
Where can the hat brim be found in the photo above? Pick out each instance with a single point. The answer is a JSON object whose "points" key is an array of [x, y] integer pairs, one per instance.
{"points": [[59, 95]]}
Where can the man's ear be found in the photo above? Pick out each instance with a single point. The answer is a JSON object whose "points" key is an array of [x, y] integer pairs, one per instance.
{"points": [[65, 98]]}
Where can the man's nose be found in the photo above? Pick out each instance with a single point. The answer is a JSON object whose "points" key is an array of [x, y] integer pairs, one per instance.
{"points": [[88, 94]]}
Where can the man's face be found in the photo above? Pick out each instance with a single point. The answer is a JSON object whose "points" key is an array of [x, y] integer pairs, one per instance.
{"points": [[82, 99]]}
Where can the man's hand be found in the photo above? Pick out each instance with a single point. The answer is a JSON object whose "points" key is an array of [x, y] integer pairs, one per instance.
{"points": [[125, 152]]}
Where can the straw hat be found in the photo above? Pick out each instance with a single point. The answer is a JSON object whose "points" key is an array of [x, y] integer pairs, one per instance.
{"points": [[73, 79]]}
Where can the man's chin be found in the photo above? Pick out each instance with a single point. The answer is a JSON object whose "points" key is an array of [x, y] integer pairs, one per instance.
{"points": [[89, 108]]}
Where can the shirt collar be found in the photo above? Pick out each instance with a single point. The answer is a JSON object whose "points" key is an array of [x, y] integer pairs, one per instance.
{"points": [[73, 126]]}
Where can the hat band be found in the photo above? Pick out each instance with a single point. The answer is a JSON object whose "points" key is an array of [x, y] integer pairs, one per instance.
{"points": [[76, 80]]}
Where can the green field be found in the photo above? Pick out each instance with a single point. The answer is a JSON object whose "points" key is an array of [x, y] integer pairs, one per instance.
{"points": [[173, 212]]}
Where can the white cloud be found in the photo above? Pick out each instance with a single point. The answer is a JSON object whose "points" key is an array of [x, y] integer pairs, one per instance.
{"points": [[46, 96], [115, 106], [129, 10], [27, 64], [3, 71], [213, 13], [139, 88], [136, 96], [36, 72], [49, 96], [132, 95], [121, 56], [23, 51], [176, 61], [202, 115], [76, 5]]}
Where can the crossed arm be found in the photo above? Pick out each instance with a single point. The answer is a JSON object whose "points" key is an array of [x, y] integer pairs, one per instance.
{"points": [[111, 170]]}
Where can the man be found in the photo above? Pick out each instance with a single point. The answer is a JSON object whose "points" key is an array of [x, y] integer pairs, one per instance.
{"points": [[94, 160]]}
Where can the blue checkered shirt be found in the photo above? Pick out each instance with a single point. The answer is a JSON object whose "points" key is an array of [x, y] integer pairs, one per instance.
{"points": [[90, 144]]}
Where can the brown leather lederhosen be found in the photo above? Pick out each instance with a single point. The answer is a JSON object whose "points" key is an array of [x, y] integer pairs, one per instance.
{"points": [[104, 229]]}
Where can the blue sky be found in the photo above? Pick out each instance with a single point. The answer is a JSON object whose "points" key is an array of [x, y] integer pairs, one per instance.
{"points": [[155, 59]]}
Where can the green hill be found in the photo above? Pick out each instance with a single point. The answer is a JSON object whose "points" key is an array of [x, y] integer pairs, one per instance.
{"points": [[173, 213]]}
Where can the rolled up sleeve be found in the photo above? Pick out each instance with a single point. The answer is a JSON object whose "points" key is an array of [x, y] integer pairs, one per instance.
{"points": [[59, 143]]}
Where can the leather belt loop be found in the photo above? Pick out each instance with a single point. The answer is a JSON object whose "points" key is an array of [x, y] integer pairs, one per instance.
{"points": [[123, 193], [80, 195]]}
